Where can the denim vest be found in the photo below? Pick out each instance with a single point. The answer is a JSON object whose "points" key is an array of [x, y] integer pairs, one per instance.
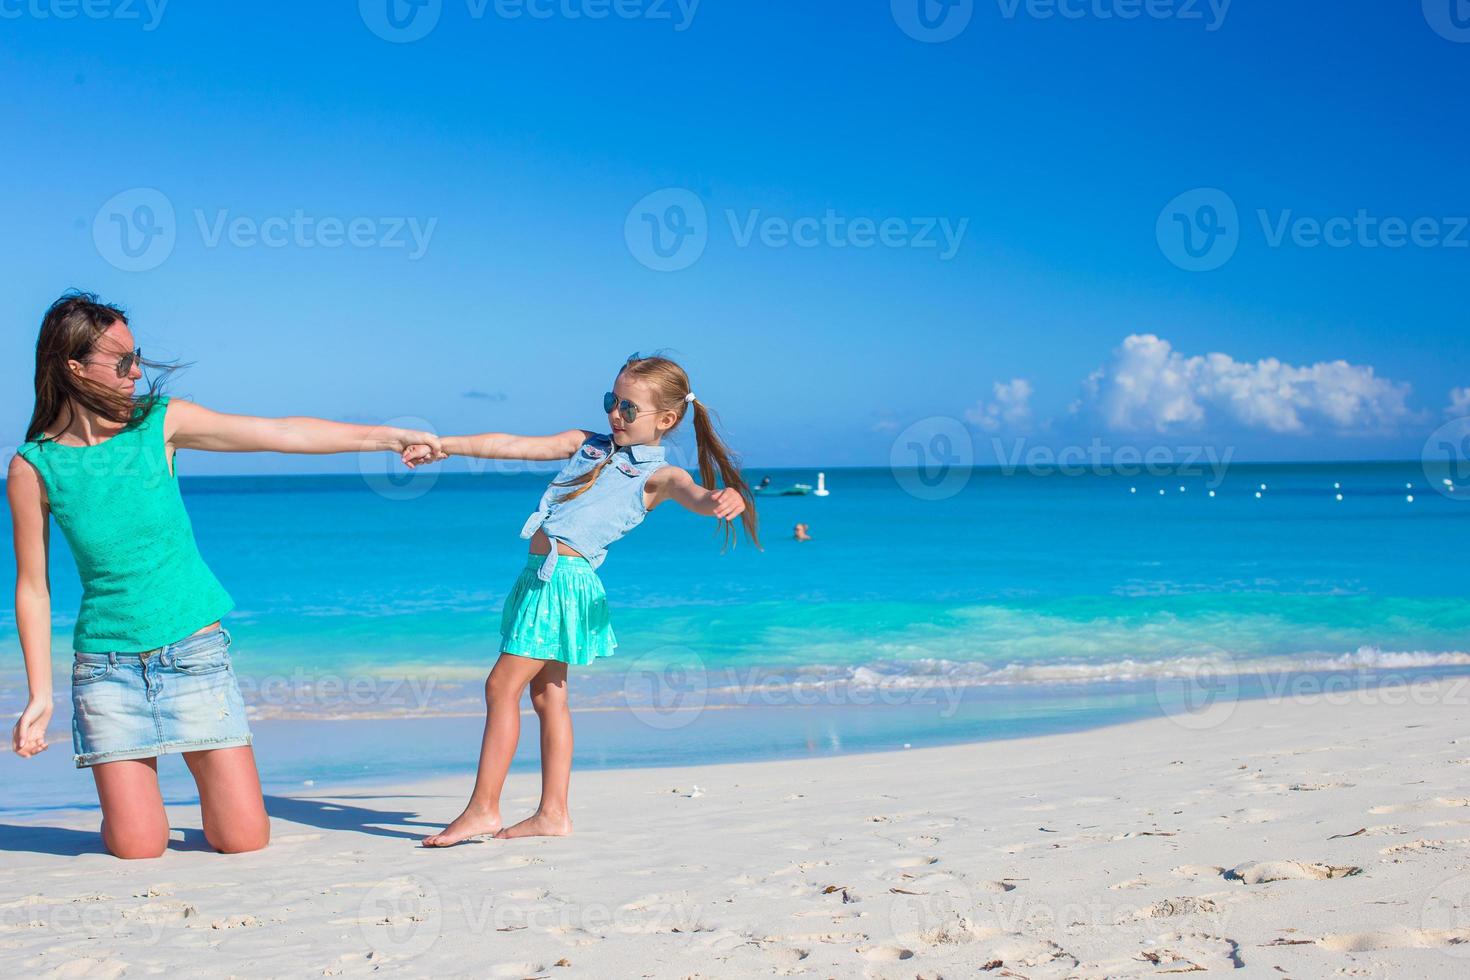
{"points": [[604, 512]]}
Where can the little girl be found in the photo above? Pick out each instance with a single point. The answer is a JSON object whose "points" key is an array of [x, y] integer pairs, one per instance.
{"points": [[556, 614]]}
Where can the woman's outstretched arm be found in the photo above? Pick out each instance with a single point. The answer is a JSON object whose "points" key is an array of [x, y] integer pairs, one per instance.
{"points": [[191, 426], [32, 536], [500, 445]]}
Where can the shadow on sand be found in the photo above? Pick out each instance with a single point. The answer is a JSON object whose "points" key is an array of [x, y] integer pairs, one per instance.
{"points": [[326, 813]]}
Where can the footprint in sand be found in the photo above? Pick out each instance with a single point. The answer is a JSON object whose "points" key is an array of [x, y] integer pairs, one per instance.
{"points": [[915, 861], [1396, 937], [886, 954], [1167, 908], [1015, 949], [1416, 846], [1387, 829], [1442, 801], [1197, 870], [574, 935], [85, 968], [159, 913], [1260, 872], [1191, 952], [788, 955], [827, 938], [235, 922], [517, 970], [799, 868], [512, 862]]}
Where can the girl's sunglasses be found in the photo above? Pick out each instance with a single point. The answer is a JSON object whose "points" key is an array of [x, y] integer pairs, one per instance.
{"points": [[627, 409]]}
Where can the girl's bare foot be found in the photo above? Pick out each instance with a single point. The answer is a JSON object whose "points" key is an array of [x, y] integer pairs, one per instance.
{"points": [[538, 824], [474, 822]]}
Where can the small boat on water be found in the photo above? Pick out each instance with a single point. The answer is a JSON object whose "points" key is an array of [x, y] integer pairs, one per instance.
{"points": [[765, 489]]}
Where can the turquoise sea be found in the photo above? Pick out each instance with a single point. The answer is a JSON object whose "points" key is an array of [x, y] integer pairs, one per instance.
{"points": [[368, 611]]}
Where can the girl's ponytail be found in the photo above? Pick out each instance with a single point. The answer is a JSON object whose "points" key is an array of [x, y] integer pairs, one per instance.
{"points": [[715, 455]]}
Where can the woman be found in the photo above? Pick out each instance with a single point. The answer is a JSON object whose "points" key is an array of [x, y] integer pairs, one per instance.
{"points": [[152, 672]]}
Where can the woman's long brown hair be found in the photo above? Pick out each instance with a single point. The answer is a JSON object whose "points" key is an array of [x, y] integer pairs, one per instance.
{"points": [[69, 332], [670, 385]]}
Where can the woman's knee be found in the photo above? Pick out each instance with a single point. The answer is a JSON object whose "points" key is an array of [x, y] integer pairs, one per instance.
{"points": [[239, 839], [136, 844]]}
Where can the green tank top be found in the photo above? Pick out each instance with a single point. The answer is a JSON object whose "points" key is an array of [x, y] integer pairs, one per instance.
{"points": [[144, 583]]}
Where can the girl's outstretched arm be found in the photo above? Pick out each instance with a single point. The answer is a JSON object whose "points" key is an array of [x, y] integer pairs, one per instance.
{"points": [[501, 445], [191, 426], [31, 530], [674, 483]]}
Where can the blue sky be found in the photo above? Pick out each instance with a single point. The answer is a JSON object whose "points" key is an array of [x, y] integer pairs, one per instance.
{"points": [[491, 173]]}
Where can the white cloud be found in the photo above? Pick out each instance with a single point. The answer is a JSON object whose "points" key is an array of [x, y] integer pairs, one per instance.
{"points": [[1011, 408], [1459, 405], [1149, 385]]}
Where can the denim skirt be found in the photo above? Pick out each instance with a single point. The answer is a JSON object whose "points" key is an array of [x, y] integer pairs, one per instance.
{"points": [[182, 697]]}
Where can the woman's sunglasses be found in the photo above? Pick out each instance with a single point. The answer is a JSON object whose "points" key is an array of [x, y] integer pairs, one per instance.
{"points": [[126, 362], [627, 409]]}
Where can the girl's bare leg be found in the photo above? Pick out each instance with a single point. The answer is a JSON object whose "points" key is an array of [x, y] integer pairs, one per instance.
{"points": [[133, 822], [230, 798], [503, 689], [549, 698]]}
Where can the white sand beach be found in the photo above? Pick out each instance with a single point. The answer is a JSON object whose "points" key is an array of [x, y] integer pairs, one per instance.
{"points": [[1321, 836]]}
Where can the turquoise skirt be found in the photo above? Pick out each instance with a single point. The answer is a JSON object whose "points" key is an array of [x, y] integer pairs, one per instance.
{"points": [[564, 619]]}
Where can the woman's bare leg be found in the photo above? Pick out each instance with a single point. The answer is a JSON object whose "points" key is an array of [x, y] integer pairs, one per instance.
{"points": [[503, 690], [230, 799], [133, 822], [549, 698]]}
